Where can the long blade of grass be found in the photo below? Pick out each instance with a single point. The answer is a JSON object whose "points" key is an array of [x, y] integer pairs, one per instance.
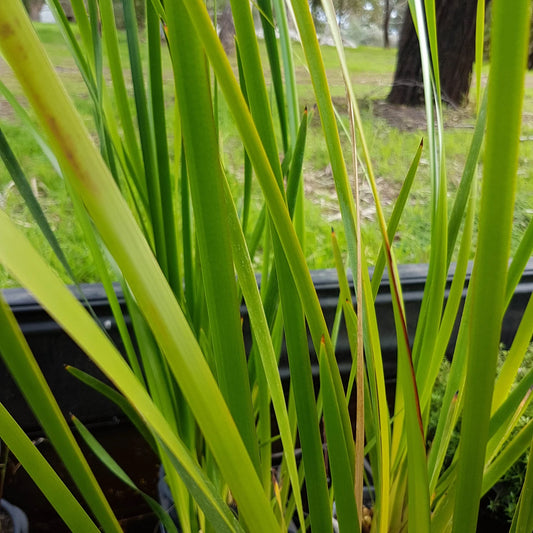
{"points": [[110, 37], [455, 296], [119, 400], [263, 342], [355, 336], [342, 468], [295, 331], [381, 465], [21, 182], [73, 43], [95, 247], [255, 83], [523, 519], [480, 49], [521, 258], [267, 180], [281, 10], [469, 173], [431, 309], [445, 428], [360, 392], [90, 177], [208, 405], [208, 199], [29, 124], [271, 43], [376, 380], [262, 116], [500, 438], [295, 170], [415, 437], [506, 84], [397, 211], [115, 468], [157, 103], [146, 132], [24, 369], [512, 452], [521, 341], [71, 512]]}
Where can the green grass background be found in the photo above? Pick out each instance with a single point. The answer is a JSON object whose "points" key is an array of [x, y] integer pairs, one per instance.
{"points": [[393, 135]]}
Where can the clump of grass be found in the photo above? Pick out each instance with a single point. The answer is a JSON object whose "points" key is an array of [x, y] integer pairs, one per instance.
{"points": [[503, 497]]}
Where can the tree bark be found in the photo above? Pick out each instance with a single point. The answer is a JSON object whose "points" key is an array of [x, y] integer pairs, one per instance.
{"points": [[34, 8], [530, 54], [67, 8], [226, 30], [386, 19], [456, 32]]}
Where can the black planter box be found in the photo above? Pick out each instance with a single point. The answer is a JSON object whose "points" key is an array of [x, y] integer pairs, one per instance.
{"points": [[53, 349]]}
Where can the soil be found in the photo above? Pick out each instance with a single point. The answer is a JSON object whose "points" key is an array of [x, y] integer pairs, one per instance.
{"points": [[123, 442], [319, 184], [408, 118], [6, 525], [5, 110], [320, 189]]}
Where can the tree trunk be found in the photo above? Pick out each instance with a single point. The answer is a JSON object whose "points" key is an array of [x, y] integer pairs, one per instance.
{"points": [[34, 8], [226, 30], [530, 54], [456, 32], [67, 8], [386, 19]]}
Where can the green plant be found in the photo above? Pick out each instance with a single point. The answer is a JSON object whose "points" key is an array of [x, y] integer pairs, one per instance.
{"points": [[503, 497], [157, 212]]}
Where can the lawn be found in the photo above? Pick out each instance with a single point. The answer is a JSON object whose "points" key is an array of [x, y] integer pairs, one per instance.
{"points": [[393, 135]]}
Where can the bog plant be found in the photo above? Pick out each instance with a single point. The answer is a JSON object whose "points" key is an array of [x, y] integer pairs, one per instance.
{"points": [[149, 190], [503, 497]]}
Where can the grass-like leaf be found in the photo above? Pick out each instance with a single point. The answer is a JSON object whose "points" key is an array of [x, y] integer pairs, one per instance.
{"points": [[508, 55], [523, 519], [26, 372], [72, 513], [115, 468]]}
